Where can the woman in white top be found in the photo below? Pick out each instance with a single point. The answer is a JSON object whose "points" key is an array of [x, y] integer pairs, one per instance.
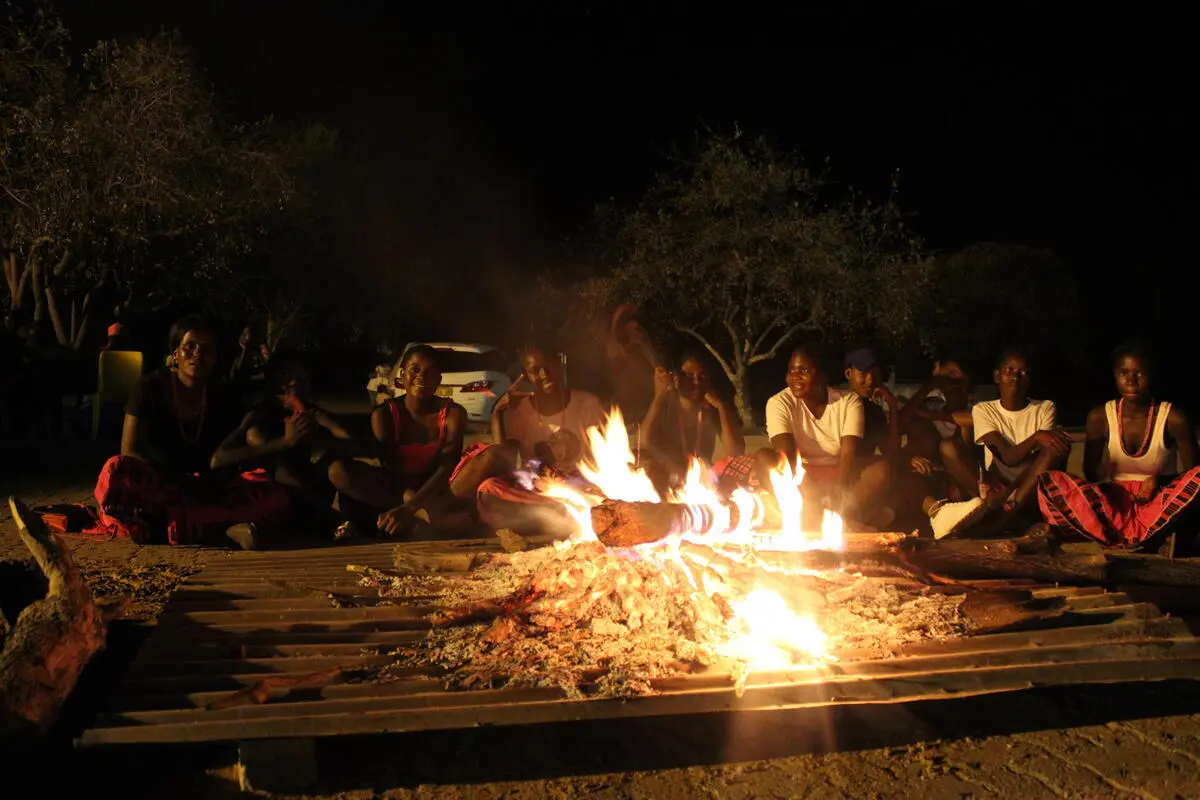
{"points": [[1132, 491], [822, 427]]}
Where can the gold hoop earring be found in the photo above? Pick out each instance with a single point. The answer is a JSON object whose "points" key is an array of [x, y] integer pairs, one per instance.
{"points": [[172, 361]]}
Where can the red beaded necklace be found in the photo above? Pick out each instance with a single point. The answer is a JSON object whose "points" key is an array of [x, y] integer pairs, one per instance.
{"points": [[1145, 445]]}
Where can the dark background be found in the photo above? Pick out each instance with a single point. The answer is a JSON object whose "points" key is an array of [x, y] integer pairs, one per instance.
{"points": [[491, 133]]}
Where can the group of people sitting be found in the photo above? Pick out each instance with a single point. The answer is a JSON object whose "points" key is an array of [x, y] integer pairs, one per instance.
{"points": [[196, 466]]}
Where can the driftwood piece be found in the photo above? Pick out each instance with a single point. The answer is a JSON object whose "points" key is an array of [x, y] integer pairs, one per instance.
{"points": [[52, 640]]}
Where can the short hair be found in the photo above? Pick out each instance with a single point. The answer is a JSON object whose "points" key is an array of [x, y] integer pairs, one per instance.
{"points": [[813, 351], [1008, 353], [699, 356], [193, 323], [1134, 349], [418, 349]]}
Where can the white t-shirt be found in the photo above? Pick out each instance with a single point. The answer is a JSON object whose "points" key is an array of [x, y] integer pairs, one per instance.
{"points": [[1013, 426], [523, 423], [818, 441]]}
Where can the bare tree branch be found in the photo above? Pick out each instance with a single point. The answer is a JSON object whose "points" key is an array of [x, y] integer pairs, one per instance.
{"points": [[733, 376]]}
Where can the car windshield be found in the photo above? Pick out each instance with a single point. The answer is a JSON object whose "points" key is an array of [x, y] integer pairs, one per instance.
{"points": [[458, 361]]}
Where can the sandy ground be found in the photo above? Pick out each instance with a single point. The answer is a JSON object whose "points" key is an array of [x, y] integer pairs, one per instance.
{"points": [[1138, 741]]}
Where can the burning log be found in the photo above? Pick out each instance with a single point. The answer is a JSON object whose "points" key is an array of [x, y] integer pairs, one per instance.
{"points": [[620, 523], [51, 641]]}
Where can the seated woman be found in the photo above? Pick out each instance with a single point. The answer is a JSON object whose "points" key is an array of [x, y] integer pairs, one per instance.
{"points": [[685, 420], [1132, 494], [164, 484], [420, 440], [545, 430], [822, 427], [1021, 441], [296, 441]]}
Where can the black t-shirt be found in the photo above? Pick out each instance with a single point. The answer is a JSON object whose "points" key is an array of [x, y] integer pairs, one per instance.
{"points": [[171, 442]]}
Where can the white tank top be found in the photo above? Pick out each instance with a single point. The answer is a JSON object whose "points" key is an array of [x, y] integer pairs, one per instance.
{"points": [[1157, 459]]}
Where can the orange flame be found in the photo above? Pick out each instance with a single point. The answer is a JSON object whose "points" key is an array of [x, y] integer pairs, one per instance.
{"points": [[767, 632]]}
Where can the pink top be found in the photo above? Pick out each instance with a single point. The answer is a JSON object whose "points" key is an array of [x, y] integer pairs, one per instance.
{"points": [[416, 459]]}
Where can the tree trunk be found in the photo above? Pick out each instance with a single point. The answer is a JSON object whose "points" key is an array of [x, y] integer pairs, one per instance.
{"points": [[60, 331], [742, 400], [39, 292]]}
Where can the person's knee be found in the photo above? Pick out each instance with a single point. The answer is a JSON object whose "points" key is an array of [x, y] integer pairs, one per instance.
{"points": [[950, 451], [877, 474], [339, 475], [768, 458]]}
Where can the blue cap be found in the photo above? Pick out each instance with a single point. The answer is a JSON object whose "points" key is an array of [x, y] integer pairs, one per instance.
{"points": [[861, 360]]}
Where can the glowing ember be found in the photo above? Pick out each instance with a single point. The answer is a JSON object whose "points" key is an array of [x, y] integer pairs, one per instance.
{"points": [[770, 627]]}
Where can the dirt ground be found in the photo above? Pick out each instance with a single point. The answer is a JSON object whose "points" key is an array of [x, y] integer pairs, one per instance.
{"points": [[1139, 740]]}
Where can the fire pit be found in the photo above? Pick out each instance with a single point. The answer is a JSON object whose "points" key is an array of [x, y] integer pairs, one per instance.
{"points": [[718, 616]]}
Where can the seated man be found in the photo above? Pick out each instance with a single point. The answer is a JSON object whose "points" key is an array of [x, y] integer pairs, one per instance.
{"points": [[1133, 494], [881, 442], [684, 422], [1021, 441], [295, 440], [822, 428], [546, 431]]}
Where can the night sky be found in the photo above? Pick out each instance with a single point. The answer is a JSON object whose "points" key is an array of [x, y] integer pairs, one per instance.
{"points": [[492, 134]]}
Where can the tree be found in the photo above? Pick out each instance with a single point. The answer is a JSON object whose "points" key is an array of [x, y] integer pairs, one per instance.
{"points": [[124, 167], [742, 248], [993, 295]]}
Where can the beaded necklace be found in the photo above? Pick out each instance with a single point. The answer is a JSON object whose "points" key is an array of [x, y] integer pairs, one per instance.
{"points": [[1145, 445]]}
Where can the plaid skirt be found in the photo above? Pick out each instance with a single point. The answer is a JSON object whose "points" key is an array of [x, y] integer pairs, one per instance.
{"points": [[1108, 512]]}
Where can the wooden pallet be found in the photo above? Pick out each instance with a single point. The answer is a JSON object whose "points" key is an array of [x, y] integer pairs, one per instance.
{"points": [[254, 615]]}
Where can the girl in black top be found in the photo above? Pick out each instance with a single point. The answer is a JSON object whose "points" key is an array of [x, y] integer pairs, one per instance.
{"points": [[164, 484]]}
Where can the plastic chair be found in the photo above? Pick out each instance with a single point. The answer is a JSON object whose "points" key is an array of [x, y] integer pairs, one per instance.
{"points": [[119, 372]]}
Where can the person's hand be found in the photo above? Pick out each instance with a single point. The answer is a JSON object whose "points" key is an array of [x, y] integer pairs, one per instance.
{"points": [[1145, 490], [395, 520], [714, 400], [244, 339], [923, 466], [664, 382], [510, 398], [1057, 442], [884, 395], [298, 427]]}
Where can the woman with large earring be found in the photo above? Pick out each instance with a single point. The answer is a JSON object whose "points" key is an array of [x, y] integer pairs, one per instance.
{"points": [[163, 485]]}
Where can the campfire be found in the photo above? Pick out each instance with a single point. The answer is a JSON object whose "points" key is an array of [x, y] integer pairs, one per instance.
{"points": [[648, 587]]}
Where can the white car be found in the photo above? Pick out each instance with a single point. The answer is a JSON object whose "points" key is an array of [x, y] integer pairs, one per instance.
{"points": [[474, 375]]}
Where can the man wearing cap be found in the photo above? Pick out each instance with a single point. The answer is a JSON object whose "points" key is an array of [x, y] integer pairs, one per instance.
{"points": [[881, 428]]}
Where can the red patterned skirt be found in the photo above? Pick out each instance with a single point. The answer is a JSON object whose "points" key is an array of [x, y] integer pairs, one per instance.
{"points": [[1108, 512], [139, 502]]}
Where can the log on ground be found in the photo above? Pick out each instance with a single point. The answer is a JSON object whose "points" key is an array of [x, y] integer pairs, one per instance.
{"points": [[52, 640]]}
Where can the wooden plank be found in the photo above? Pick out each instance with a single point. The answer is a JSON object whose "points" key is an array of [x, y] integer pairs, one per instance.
{"points": [[237, 648], [774, 697], [365, 700]]}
